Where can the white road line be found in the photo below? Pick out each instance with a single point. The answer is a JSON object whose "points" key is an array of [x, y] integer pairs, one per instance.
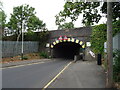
{"points": [[56, 76], [22, 65]]}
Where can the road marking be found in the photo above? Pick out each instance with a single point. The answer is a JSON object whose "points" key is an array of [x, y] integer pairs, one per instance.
{"points": [[56, 76], [22, 65]]}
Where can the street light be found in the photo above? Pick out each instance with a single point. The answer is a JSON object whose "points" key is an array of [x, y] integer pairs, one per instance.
{"points": [[22, 35], [22, 39]]}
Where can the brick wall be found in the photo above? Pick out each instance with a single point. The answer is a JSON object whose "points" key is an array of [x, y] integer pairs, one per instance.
{"points": [[82, 33]]}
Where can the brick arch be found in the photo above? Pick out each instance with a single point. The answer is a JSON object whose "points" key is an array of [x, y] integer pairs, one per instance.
{"points": [[68, 40]]}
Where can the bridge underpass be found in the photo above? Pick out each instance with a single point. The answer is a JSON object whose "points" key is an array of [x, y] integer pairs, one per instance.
{"points": [[66, 50], [68, 43]]}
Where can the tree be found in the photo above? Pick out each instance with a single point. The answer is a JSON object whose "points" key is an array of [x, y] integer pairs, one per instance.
{"points": [[73, 9], [115, 10], [69, 25], [62, 24], [66, 26], [25, 14], [35, 24], [89, 10], [2, 18], [99, 36]]}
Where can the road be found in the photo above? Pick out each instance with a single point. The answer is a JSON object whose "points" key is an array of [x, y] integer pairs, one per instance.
{"points": [[32, 76]]}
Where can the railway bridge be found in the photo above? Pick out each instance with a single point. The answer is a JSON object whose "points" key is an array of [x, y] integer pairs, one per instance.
{"points": [[68, 42]]}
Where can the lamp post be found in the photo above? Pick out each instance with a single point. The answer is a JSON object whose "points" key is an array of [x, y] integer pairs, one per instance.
{"points": [[22, 40], [22, 35]]}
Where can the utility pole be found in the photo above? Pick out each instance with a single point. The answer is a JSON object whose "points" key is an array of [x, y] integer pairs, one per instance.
{"points": [[109, 46]]}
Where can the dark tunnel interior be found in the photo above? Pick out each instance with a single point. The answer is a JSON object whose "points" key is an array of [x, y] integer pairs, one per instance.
{"points": [[66, 50]]}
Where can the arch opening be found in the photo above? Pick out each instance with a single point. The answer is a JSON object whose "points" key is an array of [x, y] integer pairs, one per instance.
{"points": [[66, 50]]}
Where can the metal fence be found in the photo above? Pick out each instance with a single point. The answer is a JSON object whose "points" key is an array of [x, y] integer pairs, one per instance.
{"points": [[13, 48]]}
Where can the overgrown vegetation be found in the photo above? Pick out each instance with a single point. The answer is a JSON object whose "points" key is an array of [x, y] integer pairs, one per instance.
{"points": [[99, 36], [29, 56], [43, 54], [31, 36], [116, 66], [24, 58]]}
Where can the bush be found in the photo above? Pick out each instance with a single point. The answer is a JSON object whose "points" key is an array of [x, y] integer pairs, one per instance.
{"points": [[24, 58], [98, 38], [116, 66], [43, 54]]}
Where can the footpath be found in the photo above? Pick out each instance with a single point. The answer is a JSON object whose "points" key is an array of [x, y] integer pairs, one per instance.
{"points": [[82, 74]]}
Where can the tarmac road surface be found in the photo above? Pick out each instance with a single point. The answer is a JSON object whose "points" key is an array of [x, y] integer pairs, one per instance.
{"points": [[32, 76]]}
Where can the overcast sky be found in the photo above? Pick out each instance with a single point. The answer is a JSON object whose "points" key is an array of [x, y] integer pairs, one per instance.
{"points": [[46, 10]]}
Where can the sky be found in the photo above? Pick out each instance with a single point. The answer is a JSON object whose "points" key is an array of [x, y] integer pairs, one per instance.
{"points": [[45, 10]]}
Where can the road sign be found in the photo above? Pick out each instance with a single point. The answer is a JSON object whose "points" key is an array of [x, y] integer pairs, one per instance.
{"points": [[60, 38], [65, 38]]}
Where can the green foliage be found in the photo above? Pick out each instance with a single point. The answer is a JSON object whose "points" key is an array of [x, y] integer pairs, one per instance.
{"points": [[34, 23], [2, 19], [9, 38], [115, 10], [31, 36], [89, 10], [116, 27], [66, 26], [24, 15], [24, 58], [60, 22], [73, 9], [116, 66], [98, 38], [41, 36], [43, 54]]}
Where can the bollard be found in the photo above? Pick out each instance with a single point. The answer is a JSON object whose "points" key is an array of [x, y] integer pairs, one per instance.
{"points": [[99, 62], [75, 58]]}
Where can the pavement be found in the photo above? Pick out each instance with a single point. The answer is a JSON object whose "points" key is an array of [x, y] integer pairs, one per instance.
{"points": [[23, 62], [82, 74]]}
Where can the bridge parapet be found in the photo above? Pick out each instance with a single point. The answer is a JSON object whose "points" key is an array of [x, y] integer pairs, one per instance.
{"points": [[83, 34]]}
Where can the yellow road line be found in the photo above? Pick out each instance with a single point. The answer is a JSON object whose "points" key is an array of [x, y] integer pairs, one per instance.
{"points": [[21, 65], [56, 76]]}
